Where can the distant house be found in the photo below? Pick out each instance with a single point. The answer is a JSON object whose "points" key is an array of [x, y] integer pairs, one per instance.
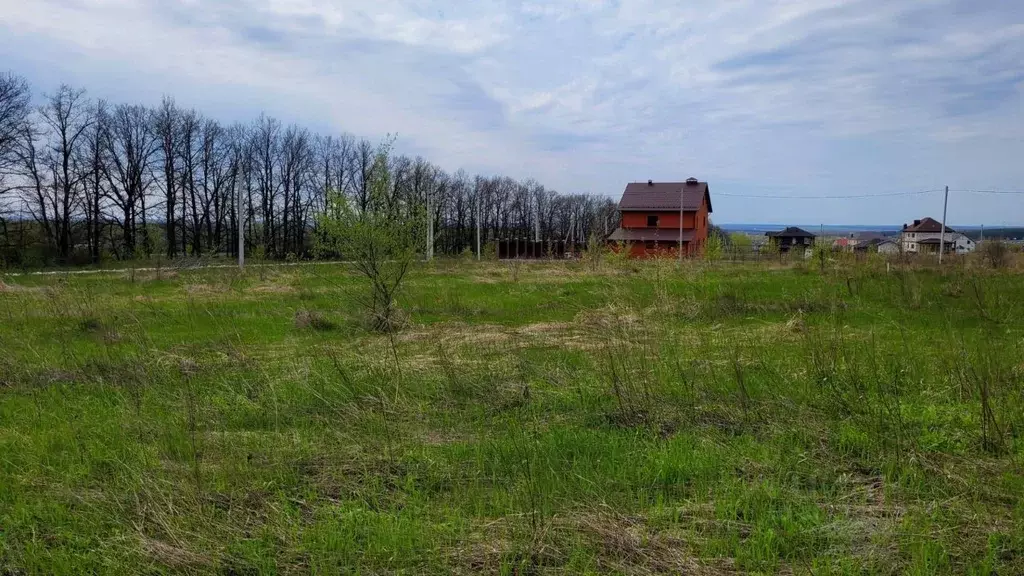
{"points": [[881, 245], [791, 237], [656, 216], [925, 236], [857, 238], [867, 237]]}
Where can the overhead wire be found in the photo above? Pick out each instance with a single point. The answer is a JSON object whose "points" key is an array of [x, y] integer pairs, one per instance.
{"points": [[862, 196]]}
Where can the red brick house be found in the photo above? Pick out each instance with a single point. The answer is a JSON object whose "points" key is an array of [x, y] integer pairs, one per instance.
{"points": [[651, 214]]}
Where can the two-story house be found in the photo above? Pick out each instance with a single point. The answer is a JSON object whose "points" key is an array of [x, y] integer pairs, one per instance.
{"points": [[925, 235], [658, 216], [791, 238]]}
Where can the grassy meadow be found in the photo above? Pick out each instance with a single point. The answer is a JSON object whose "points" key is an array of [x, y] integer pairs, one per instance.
{"points": [[534, 418]]}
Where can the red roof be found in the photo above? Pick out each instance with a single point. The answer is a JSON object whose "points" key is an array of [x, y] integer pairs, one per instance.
{"points": [[665, 196]]}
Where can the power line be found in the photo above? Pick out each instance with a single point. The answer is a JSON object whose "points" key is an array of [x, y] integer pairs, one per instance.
{"points": [[861, 196], [1011, 192], [830, 197]]}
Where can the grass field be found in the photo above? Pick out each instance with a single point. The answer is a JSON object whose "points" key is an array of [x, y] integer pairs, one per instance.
{"points": [[536, 418]]}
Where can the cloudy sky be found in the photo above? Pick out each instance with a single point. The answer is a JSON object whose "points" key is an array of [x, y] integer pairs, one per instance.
{"points": [[760, 98]]}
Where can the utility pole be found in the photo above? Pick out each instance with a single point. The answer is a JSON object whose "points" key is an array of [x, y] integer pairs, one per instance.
{"points": [[536, 222], [572, 231], [430, 231], [681, 226], [942, 237], [241, 230], [478, 226]]}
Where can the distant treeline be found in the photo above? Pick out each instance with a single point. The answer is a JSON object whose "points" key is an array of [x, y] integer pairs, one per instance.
{"points": [[84, 180], [1008, 233]]}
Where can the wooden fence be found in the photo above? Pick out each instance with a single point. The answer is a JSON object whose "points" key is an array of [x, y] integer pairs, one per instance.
{"points": [[509, 248]]}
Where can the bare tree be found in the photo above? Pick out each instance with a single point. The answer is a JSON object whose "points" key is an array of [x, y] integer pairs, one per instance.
{"points": [[167, 126], [295, 164], [266, 143], [14, 109], [95, 161], [189, 159], [216, 174], [131, 146], [334, 158], [93, 176], [363, 172], [66, 117]]}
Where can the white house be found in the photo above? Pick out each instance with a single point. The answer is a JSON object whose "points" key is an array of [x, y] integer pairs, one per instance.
{"points": [[925, 235], [887, 246], [964, 244], [879, 244]]}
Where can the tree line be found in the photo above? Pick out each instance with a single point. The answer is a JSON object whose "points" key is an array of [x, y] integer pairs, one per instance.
{"points": [[83, 180]]}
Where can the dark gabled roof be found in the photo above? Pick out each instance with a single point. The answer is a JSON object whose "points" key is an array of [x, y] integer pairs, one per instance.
{"points": [[665, 196], [926, 224], [650, 235], [791, 232], [869, 236], [873, 243]]}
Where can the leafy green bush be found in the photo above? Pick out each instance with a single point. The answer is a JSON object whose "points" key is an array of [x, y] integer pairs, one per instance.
{"points": [[380, 239]]}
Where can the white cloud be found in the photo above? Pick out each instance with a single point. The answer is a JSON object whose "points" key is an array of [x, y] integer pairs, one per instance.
{"points": [[584, 94]]}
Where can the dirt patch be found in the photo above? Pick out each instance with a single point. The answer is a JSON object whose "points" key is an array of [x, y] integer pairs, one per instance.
{"points": [[151, 275], [205, 289], [564, 334], [313, 320], [796, 324], [420, 361], [17, 288], [174, 557], [865, 517], [456, 332], [624, 545], [478, 279], [57, 376], [630, 546], [273, 289], [608, 317], [441, 438], [541, 329]]}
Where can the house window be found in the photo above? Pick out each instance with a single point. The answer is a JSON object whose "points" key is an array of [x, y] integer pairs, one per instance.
{"points": [[652, 221]]}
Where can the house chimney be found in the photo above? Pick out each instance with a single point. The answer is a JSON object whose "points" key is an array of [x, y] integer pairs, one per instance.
{"points": [[692, 181], [917, 222], [650, 182]]}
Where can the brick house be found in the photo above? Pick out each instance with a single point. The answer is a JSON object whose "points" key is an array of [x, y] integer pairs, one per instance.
{"points": [[925, 235], [651, 213]]}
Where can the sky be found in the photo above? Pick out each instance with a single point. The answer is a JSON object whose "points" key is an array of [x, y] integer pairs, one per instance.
{"points": [[800, 98]]}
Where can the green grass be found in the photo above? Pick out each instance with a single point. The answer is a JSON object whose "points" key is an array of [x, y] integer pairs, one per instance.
{"points": [[550, 419]]}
